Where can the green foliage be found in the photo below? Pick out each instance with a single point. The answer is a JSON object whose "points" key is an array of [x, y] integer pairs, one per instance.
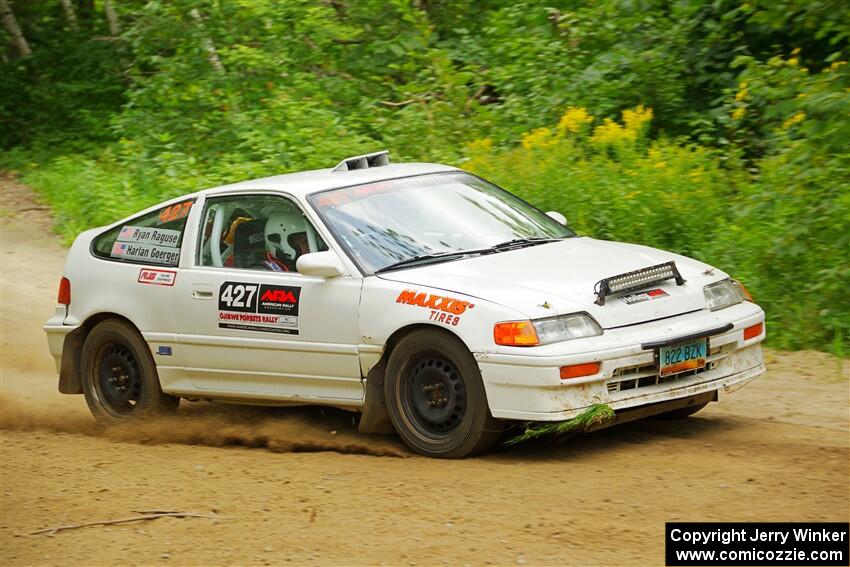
{"points": [[790, 230], [744, 162], [785, 232], [66, 92], [560, 431]]}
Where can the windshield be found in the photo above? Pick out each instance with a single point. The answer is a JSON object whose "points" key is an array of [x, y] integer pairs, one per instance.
{"points": [[384, 223]]}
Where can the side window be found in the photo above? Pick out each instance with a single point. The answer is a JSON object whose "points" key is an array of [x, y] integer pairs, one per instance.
{"points": [[154, 238], [255, 232]]}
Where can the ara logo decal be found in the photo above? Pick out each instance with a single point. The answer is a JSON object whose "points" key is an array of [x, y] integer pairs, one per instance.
{"points": [[279, 299], [633, 298], [443, 309], [279, 295]]}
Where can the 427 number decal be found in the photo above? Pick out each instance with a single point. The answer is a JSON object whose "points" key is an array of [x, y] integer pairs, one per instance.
{"points": [[265, 308], [236, 296]]}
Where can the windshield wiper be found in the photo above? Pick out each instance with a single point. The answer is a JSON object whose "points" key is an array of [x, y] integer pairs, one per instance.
{"points": [[427, 258], [439, 256], [523, 242]]}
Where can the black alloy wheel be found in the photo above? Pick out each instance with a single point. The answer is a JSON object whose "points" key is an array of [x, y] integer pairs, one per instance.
{"points": [[119, 376], [119, 379], [435, 396]]}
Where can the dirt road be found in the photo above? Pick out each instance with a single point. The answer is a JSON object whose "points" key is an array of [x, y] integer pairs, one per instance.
{"points": [[302, 487]]}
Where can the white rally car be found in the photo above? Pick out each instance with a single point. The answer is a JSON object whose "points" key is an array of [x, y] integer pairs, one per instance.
{"points": [[420, 295]]}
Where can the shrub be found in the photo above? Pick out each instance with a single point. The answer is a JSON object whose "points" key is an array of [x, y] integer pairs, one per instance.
{"points": [[783, 231]]}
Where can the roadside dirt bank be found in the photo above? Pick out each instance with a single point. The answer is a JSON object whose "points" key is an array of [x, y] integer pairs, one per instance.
{"points": [[302, 487]]}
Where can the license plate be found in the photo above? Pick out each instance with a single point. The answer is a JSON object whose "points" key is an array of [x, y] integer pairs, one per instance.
{"points": [[682, 357]]}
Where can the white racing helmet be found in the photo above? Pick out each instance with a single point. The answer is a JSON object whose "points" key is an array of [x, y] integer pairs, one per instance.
{"points": [[278, 228]]}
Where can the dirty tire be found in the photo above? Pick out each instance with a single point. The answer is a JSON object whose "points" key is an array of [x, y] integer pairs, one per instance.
{"points": [[119, 378], [435, 397], [680, 413]]}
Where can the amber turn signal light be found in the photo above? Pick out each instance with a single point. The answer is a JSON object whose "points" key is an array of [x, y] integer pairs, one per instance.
{"points": [[747, 295], [515, 333], [754, 331], [579, 370]]}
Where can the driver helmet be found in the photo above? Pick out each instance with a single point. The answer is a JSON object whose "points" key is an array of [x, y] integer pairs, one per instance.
{"points": [[279, 227]]}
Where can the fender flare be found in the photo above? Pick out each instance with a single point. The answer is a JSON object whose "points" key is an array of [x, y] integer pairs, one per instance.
{"points": [[374, 417], [71, 366]]}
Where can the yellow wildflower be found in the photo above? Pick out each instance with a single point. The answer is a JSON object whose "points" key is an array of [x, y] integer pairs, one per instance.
{"points": [[480, 145], [656, 157], [738, 113], [795, 119], [539, 138], [574, 119], [793, 61], [795, 51], [609, 132], [836, 64], [635, 119], [480, 150]]}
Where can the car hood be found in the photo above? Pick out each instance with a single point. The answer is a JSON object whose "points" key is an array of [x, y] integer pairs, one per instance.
{"points": [[559, 277]]}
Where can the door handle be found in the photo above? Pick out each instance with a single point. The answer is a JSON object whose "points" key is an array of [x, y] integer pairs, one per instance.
{"points": [[202, 292]]}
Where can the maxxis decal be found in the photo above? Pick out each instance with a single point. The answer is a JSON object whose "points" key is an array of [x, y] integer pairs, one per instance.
{"points": [[248, 306], [446, 310]]}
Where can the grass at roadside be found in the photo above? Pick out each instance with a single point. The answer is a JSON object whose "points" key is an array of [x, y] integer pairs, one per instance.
{"points": [[784, 232]]}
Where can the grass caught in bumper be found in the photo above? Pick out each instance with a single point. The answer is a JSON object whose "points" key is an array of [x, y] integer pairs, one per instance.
{"points": [[596, 414]]}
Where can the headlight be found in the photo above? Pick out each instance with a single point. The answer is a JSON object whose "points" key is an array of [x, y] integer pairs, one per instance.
{"points": [[566, 327], [723, 294], [546, 331]]}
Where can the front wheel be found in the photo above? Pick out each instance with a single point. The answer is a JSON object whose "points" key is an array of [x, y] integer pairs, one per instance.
{"points": [[435, 397], [119, 375]]}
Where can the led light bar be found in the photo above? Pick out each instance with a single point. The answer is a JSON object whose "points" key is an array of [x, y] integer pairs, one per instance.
{"points": [[639, 279]]}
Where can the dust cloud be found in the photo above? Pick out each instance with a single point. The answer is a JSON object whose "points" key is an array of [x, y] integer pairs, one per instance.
{"points": [[281, 430]]}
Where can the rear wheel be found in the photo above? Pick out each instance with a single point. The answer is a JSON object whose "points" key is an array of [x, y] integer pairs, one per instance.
{"points": [[119, 375], [436, 398]]}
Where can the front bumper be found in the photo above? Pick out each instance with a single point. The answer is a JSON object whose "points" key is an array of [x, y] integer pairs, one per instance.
{"points": [[524, 385]]}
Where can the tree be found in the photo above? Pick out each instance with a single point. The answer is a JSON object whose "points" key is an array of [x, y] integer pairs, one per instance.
{"points": [[14, 30], [112, 18], [70, 14]]}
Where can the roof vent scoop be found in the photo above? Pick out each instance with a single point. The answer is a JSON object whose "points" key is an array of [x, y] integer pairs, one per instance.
{"points": [[376, 159]]}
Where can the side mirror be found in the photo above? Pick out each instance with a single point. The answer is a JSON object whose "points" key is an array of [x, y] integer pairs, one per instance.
{"points": [[321, 264], [558, 217]]}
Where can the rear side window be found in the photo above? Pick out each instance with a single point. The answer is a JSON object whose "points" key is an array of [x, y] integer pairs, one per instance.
{"points": [[154, 238]]}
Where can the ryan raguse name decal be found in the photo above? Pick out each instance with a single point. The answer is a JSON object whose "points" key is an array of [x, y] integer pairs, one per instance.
{"points": [[155, 245], [258, 307], [147, 235]]}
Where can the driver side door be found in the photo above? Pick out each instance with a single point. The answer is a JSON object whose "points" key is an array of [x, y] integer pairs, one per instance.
{"points": [[251, 326]]}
